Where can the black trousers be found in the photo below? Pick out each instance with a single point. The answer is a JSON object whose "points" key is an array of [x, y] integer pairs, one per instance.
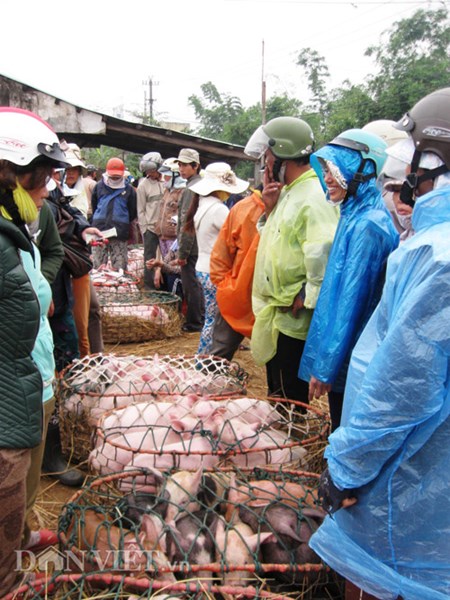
{"points": [[282, 370], [193, 294], [225, 340]]}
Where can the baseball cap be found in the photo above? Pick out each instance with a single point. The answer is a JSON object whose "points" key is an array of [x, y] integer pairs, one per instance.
{"points": [[188, 155], [115, 166]]}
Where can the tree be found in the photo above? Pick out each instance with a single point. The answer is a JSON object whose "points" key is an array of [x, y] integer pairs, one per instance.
{"points": [[316, 71], [350, 106], [214, 110], [413, 59]]}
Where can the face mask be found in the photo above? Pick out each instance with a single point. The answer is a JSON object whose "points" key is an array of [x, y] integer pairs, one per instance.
{"points": [[223, 196], [404, 220], [327, 198], [25, 203]]}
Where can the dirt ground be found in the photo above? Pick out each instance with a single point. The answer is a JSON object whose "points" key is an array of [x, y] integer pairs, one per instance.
{"points": [[53, 495]]}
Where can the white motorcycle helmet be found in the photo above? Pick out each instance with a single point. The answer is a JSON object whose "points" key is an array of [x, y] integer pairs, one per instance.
{"points": [[169, 166], [150, 162], [386, 130], [24, 137]]}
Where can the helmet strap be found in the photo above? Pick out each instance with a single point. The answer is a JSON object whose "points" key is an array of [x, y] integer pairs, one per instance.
{"points": [[413, 180], [359, 177]]}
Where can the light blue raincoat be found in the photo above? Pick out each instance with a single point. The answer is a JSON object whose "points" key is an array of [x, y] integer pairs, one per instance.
{"points": [[354, 276], [394, 441]]}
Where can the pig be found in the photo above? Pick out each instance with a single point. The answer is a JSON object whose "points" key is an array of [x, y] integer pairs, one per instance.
{"points": [[283, 549], [237, 546], [94, 532], [260, 493], [189, 454], [193, 540], [251, 410], [181, 489]]}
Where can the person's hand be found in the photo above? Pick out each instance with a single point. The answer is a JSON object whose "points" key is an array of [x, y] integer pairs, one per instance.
{"points": [[298, 304], [270, 195], [182, 262], [51, 309], [157, 278], [331, 497], [317, 389], [91, 231], [153, 262]]}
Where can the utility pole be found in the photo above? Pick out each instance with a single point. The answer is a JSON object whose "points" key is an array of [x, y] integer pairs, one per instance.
{"points": [[150, 99], [263, 89]]}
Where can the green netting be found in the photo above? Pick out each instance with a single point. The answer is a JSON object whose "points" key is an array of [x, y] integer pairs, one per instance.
{"points": [[234, 528]]}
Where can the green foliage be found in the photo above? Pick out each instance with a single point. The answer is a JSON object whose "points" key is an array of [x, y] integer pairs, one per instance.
{"points": [[413, 60], [100, 156], [317, 73], [349, 106], [214, 110]]}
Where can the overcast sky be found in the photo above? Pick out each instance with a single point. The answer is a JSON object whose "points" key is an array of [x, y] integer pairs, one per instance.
{"points": [[99, 53]]}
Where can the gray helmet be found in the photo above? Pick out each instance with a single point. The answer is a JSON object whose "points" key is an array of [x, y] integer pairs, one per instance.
{"points": [[428, 123], [150, 162]]}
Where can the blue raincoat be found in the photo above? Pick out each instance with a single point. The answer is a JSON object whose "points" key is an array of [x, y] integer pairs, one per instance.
{"points": [[393, 443], [354, 276]]}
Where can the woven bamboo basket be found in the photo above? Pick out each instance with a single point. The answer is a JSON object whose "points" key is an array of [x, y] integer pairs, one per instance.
{"points": [[189, 433], [263, 517], [136, 261], [89, 387], [139, 316]]}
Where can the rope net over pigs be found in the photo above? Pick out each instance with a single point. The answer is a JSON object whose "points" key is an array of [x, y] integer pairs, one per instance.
{"points": [[242, 533], [101, 382]]}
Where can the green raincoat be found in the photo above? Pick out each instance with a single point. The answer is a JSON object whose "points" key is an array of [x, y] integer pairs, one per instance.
{"points": [[292, 253]]}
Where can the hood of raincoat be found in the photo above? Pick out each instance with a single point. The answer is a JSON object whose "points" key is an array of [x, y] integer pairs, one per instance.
{"points": [[354, 276], [348, 162], [392, 446]]}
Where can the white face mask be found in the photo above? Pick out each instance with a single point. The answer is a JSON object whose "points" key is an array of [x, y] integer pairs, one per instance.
{"points": [[337, 203], [404, 220]]}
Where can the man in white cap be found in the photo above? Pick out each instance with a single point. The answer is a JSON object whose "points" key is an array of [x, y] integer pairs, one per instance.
{"points": [[189, 165]]}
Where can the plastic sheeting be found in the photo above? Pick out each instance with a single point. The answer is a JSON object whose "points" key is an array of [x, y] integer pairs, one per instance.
{"points": [[354, 276], [293, 251], [393, 445]]}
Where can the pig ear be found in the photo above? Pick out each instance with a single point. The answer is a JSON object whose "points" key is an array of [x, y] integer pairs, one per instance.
{"points": [[267, 537], [254, 541], [315, 513], [176, 423]]}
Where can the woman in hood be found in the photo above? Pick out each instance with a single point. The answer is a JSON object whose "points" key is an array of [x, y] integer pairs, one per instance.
{"points": [[354, 277]]}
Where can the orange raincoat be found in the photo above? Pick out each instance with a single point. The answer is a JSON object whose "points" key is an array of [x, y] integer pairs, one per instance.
{"points": [[232, 263]]}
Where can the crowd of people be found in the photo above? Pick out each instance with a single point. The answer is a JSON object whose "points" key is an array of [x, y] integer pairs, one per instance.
{"points": [[334, 267]]}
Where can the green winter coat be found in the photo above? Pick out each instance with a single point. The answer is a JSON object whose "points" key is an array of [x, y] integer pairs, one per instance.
{"points": [[20, 380]]}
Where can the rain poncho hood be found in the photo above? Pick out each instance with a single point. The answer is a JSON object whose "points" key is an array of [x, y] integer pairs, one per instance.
{"points": [[392, 445], [292, 253], [354, 276]]}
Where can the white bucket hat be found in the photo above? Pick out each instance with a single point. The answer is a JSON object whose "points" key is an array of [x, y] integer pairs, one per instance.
{"points": [[73, 154], [219, 177]]}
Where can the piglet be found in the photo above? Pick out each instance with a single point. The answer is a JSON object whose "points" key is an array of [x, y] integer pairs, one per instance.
{"points": [[193, 540], [237, 545]]}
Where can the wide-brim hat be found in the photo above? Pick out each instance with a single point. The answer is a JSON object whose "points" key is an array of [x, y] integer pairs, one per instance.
{"points": [[219, 177]]}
